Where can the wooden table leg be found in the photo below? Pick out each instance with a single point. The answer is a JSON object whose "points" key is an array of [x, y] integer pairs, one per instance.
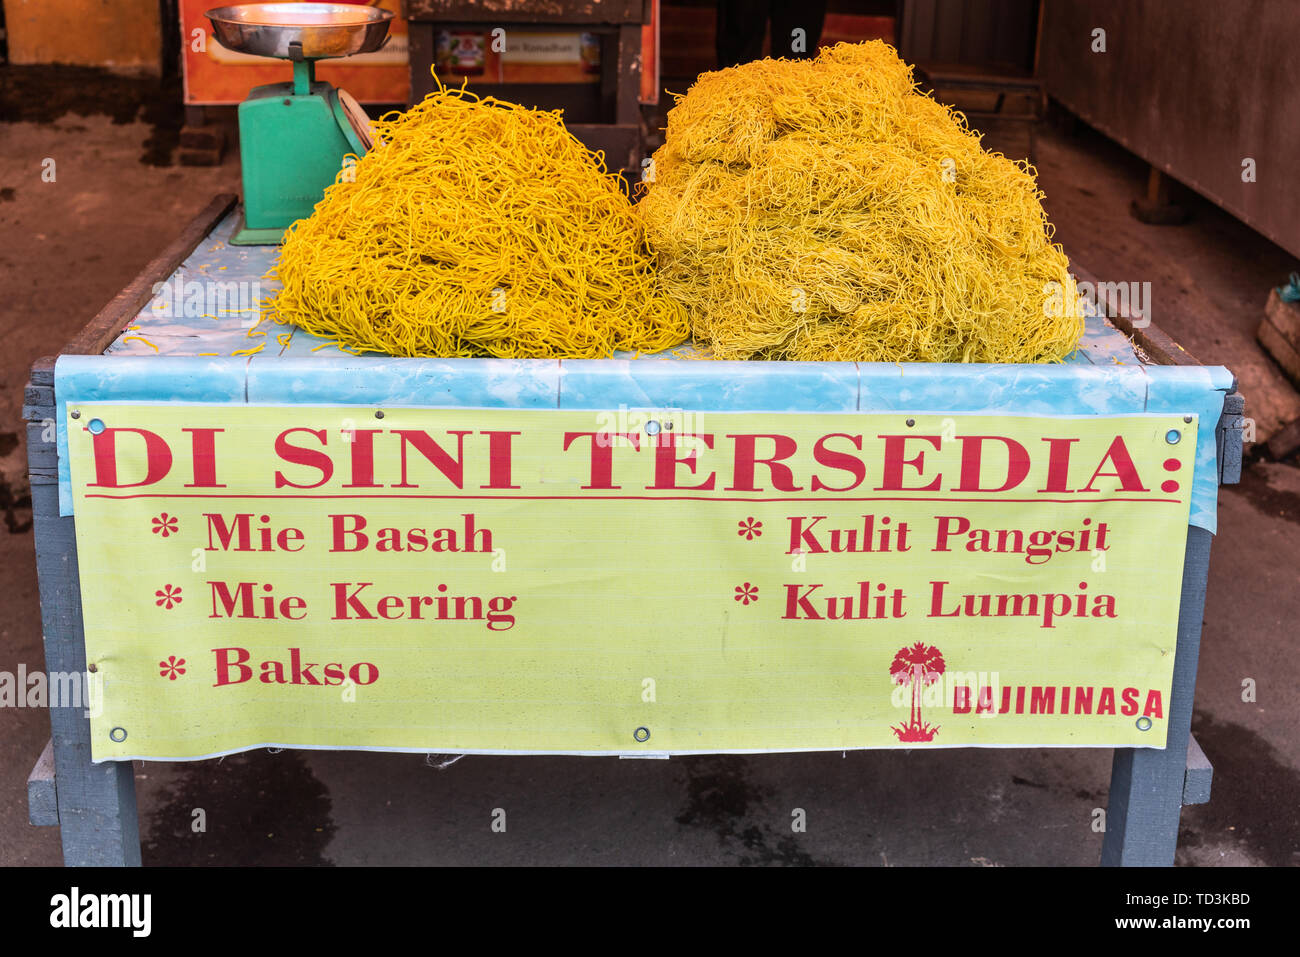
{"points": [[1146, 786], [1156, 209], [96, 802]]}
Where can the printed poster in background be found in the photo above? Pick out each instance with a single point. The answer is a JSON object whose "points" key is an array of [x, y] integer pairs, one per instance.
{"points": [[528, 57], [548, 581]]}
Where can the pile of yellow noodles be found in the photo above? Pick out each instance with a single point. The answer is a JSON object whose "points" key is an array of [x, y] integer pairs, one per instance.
{"points": [[825, 210], [477, 228]]}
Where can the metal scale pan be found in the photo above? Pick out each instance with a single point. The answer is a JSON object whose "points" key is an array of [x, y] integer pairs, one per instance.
{"points": [[294, 137], [317, 30]]}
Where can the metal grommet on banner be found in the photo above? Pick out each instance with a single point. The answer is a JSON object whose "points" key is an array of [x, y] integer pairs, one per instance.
{"points": [[652, 427], [641, 734], [1187, 419], [1172, 436], [911, 422], [379, 413], [96, 426], [117, 734], [76, 414], [1144, 723]]}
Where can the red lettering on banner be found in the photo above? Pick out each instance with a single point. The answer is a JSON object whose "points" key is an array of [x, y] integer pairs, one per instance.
{"points": [[602, 455], [891, 473], [362, 443], [841, 461], [1058, 465], [1130, 698], [301, 673], [203, 454], [348, 539], [836, 464], [1125, 470], [795, 602], [667, 460], [452, 469], [371, 673], [350, 603], [949, 525], [1153, 708], [224, 603], [345, 601], [158, 458], [240, 531], [804, 536], [972, 447], [297, 455], [499, 460], [225, 664], [272, 673], [746, 462], [348, 534], [1048, 606], [860, 607], [232, 668]]}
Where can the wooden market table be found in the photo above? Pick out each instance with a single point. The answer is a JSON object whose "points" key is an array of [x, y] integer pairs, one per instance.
{"points": [[129, 353]]}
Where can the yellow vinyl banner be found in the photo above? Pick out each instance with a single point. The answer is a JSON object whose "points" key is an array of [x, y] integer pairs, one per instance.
{"points": [[545, 581]]}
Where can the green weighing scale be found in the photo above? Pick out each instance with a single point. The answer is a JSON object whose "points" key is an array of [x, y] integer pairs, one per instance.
{"points": [[293, 137]]}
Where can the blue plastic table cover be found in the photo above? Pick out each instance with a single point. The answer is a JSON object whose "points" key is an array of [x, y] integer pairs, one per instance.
{"points": [[180, 348]]}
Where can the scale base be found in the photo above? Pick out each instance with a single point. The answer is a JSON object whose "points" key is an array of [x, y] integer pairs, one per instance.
{"points": [[245, 235]]}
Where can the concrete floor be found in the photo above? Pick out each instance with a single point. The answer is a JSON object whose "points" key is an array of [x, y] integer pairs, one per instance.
{"points": [[66, 247]]}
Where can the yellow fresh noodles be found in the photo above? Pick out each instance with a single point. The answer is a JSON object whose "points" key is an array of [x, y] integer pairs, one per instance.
{"points": [[824, 209], [475, 227]]}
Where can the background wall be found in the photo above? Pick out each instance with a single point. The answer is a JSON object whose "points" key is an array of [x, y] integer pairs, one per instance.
{"points": [[1194, 88], [124, 34], [995, 34]]}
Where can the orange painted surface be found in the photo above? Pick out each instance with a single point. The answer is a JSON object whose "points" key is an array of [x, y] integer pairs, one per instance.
{"points": [[123, 33], [689, 36], [851, 28], [650, 56]]}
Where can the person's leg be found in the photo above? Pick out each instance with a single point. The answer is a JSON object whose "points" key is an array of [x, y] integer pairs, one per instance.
{"points": [[789, 16], [741, 25]]}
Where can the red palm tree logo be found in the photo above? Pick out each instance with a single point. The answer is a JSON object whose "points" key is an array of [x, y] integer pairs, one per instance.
{"points": [[917, 665]]}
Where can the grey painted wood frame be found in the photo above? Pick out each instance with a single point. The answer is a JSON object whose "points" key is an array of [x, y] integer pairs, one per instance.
{"points": [[95, 802], [1147, 786]]}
